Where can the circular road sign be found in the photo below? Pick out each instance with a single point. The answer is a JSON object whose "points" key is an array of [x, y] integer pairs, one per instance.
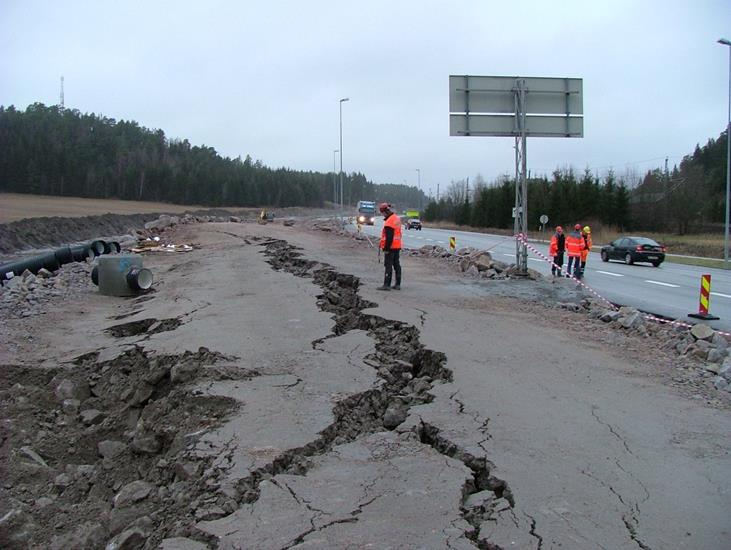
{"points": [[544, 219]]}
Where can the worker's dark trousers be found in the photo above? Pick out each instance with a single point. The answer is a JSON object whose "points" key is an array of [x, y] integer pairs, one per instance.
{"points": [[392, 263], [576, 261], [557, 264]]}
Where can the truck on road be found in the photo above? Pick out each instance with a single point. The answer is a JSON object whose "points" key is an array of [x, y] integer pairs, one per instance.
{"points": [[366, 212]]}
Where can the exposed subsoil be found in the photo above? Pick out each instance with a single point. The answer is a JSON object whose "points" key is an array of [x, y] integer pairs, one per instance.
{"points": [[97, 451]]}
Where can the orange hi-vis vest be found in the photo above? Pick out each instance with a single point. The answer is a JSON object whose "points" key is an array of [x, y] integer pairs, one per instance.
{"points": [[589, 244], [575, 244], [394, 222]]}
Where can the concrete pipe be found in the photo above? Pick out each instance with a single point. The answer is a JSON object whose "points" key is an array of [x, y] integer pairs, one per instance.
{"points": [[123, 275]]}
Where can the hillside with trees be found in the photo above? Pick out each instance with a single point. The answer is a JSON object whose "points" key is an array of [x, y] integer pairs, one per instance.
{"points": [[689, 198], [53, 151]]}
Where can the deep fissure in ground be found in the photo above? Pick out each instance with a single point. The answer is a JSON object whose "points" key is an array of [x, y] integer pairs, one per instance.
{"points": [[409, 371]]}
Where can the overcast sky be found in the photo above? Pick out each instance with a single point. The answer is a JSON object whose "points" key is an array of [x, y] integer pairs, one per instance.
{"points": [[265, 78]]}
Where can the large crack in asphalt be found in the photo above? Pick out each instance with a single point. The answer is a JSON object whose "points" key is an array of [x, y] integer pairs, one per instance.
{"points": [[408, 371]]}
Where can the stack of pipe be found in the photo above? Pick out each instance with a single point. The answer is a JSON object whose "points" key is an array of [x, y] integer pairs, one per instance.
{"points": [[61, 256]]}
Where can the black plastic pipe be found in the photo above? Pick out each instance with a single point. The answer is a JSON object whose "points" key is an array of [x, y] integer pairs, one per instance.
{"points": [[34, 265]]}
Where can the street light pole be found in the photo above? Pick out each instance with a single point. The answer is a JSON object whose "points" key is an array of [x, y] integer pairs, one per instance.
{"points": [[335, 181], [341, 150], [726, 42]]}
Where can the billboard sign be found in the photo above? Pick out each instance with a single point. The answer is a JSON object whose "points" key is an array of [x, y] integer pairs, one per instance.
{"points": [[488, 106]]}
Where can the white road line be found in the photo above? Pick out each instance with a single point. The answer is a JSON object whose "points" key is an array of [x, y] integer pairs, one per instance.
{"points": [[662, 284], [440, 242], [535, 260], [511, 255], [721, 295], [430, 240], [610, 273]]}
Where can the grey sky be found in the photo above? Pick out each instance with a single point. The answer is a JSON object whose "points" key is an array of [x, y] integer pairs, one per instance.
{"points": [[264, 78]]}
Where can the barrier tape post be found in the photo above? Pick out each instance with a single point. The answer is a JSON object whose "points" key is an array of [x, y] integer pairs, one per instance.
{"points": [[452, 244], [705, 300]]}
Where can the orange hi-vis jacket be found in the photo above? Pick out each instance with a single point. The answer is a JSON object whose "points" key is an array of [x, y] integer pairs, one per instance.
{"points": [[575, 244], [553, 247], [394, 223], [585, 252]]}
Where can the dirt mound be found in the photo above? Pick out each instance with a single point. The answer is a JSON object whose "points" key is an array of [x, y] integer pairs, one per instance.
{"points": [[45, 232]]}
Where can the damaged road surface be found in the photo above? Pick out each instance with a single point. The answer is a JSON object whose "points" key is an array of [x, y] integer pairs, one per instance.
{"points": [[266, 396]]}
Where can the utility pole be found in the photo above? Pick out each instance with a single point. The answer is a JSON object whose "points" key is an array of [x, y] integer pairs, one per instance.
{"points": [[341, 152], [62, 103], [437, 192], [335, 181]]}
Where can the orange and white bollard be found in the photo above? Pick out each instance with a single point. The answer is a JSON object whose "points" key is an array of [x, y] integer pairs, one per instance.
{"points": [[705, 300]]}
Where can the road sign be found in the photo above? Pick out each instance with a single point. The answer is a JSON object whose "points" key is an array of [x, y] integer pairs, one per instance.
{"points": [[543, 219]]}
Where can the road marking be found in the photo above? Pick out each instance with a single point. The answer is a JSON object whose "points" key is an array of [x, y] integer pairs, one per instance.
{"points": [[440, 242], [430, 240], [511, 255], [535, 260], [662, 284], [721, 295], [610, 273]]}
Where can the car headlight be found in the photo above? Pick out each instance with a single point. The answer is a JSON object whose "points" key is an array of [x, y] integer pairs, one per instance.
{"points": [[361, 219]]}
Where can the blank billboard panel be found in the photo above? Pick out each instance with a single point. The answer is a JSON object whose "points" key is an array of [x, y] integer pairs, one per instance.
{"points": [[496, 94], [505, 125]]}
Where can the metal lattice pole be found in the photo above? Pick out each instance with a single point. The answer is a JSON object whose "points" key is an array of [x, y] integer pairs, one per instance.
{"points": [[521, 183]]}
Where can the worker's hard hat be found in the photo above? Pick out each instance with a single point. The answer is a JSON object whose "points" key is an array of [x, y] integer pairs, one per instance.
{"points": [[587, 229], [384, 206], [559, 228], [577, 226]]}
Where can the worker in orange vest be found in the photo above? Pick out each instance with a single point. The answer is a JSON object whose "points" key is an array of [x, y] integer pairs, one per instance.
{"points": [[575, 244], [586, 233], [556, 250], [391, 246]]}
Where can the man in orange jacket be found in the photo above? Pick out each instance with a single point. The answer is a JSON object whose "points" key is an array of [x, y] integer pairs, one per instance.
{"points": [[575, 244], [586, 233], [556, 250], [391, 246]]}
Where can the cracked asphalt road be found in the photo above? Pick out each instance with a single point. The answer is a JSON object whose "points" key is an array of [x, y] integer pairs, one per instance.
{"points": [[516, 429]]}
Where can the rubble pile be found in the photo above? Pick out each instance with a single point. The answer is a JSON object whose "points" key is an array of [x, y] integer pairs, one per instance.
{"points": [[103, 451], [702, 355], [473, 262], [30, 295]]}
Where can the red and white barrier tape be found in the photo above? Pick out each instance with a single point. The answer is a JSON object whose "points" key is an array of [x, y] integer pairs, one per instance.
{"points": [[647, 316]]}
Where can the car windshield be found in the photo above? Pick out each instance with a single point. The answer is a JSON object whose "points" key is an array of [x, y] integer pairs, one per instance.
{"points": [[644, 240]]}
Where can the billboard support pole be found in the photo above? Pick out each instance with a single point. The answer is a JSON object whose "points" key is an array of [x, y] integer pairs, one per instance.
{"points": [[521, 183]]}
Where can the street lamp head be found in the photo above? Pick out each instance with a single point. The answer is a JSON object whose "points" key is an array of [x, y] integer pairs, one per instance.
{"points": [[724, 42], [345, 99]]}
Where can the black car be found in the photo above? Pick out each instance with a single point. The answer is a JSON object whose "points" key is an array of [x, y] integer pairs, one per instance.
{"points": [[413, 223], [634, 249]]}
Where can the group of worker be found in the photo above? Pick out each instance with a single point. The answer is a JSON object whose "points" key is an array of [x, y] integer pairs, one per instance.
{"points": [[576, 245]]}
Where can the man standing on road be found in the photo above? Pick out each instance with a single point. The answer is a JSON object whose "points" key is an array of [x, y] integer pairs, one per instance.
{"points": [[556, 250], [391, 246], [575, 244], [586, 233]]}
